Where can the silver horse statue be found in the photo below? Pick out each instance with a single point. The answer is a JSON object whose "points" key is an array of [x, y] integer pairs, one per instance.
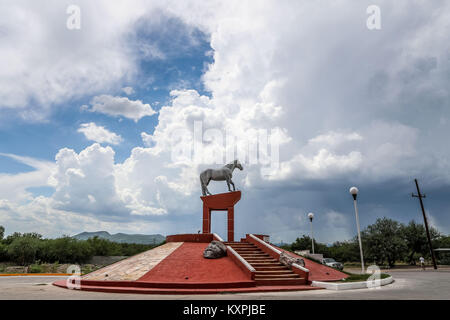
{"points": [[224, 173]]}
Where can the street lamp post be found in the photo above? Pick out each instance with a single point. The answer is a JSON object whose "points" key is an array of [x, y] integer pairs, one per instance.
{"points": [[354, 193], [311, 217]]}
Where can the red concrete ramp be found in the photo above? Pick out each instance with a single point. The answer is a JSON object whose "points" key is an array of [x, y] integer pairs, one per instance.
{"points": [[317, 271], [186, 265]]}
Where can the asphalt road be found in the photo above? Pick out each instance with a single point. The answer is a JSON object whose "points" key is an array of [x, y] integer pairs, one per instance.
{"points": [[411, 284]]}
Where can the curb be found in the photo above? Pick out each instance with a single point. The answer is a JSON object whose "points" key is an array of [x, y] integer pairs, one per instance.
{"points": [[350, 285], [33, 274]]}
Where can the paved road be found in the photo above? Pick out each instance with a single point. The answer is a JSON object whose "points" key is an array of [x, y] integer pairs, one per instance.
{"points": [[411, 284]]}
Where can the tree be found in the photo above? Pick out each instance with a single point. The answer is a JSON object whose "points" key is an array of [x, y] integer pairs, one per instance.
{"points": [[2, 232], [66, 250], [345, 251], [9, 239], [383, 241], [23, 249], [416, 240], [305, 243], [103, 247], [3, 252], [443, 242]]}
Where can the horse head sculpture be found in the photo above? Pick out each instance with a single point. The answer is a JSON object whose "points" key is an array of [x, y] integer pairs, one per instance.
{"points": [[224, 173]]}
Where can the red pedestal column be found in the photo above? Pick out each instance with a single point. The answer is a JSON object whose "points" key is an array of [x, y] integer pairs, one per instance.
{"points": [[220, 202], [230, 224], [206, 219]]}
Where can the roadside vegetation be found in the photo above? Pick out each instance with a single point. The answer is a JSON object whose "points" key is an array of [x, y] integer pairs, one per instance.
{"points": [[386, 243], [361, 277], [42, 255]]}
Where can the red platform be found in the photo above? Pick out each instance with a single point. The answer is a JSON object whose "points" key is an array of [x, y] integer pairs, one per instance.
{"points": [[186, 271], [220, 202]]}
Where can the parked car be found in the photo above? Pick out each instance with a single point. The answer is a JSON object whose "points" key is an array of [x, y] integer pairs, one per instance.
{"points": [[333, 263]]}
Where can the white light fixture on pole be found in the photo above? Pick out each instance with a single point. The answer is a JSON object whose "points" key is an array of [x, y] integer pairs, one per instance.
{"points": [[311, 217], [354, 193]]}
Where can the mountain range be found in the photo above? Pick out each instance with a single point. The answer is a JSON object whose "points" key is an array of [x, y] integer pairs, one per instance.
{"points": [[122, 237]]}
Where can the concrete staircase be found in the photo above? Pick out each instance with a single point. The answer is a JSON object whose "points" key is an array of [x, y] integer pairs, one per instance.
{"points": [[269, 272]]}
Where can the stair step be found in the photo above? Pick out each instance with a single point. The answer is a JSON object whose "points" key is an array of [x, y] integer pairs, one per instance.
{"points": [[250, 260], [270, 268], [236, 242], [270, 272], [265, 264], [278, 282], [259, 253], [249, 256], [277, 276], [242, 245], [239, 244], [246, 252]]}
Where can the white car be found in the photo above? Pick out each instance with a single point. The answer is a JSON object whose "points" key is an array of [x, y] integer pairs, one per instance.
{"points": [[332, 263]]}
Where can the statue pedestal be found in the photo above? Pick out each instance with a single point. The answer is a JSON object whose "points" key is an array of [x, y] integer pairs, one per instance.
{"points": [[220, 202]]}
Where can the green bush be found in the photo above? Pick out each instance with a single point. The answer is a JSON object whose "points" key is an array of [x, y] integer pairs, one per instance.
{"points": [[3, 252], [28, 248], [65, 250], [35, 268], [361, 277], [22, 250]]}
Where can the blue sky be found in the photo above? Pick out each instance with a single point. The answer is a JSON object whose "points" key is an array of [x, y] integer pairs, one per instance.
{"points": [[89, 117], [182, 68]]}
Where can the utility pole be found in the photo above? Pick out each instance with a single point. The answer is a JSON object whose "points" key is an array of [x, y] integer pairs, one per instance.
{"points": [[420, 196]]}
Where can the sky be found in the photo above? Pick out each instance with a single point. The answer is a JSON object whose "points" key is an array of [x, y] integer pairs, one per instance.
{"points": [[101, 109]]}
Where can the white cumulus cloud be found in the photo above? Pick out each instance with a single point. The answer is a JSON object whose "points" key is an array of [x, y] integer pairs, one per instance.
{"points": [[344, 103], [128, 90], [99, 134], [121, 107]]}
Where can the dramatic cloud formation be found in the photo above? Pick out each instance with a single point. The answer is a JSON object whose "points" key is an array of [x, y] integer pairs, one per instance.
{"points": [[99, 134], [346, 105], [48, 64]]}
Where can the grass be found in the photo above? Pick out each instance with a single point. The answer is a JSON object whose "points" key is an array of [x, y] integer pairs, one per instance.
{"points": [[35, 268], [89, 268], [39, 267], [361, 277]]}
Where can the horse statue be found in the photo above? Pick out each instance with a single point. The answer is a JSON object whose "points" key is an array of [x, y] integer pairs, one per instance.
{"points": [[224, 173]]}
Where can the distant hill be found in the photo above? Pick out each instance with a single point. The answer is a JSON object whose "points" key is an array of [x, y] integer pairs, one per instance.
{"points": [[123, 237]]}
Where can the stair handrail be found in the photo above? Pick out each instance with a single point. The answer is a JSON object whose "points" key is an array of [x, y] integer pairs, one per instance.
{"points": [[302, 271], [266, 244], [300, 267], [218, 238], [242, 261]]}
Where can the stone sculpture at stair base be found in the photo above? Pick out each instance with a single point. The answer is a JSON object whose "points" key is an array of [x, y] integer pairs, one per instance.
{"points": [[214, 250], [288, 260]]}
